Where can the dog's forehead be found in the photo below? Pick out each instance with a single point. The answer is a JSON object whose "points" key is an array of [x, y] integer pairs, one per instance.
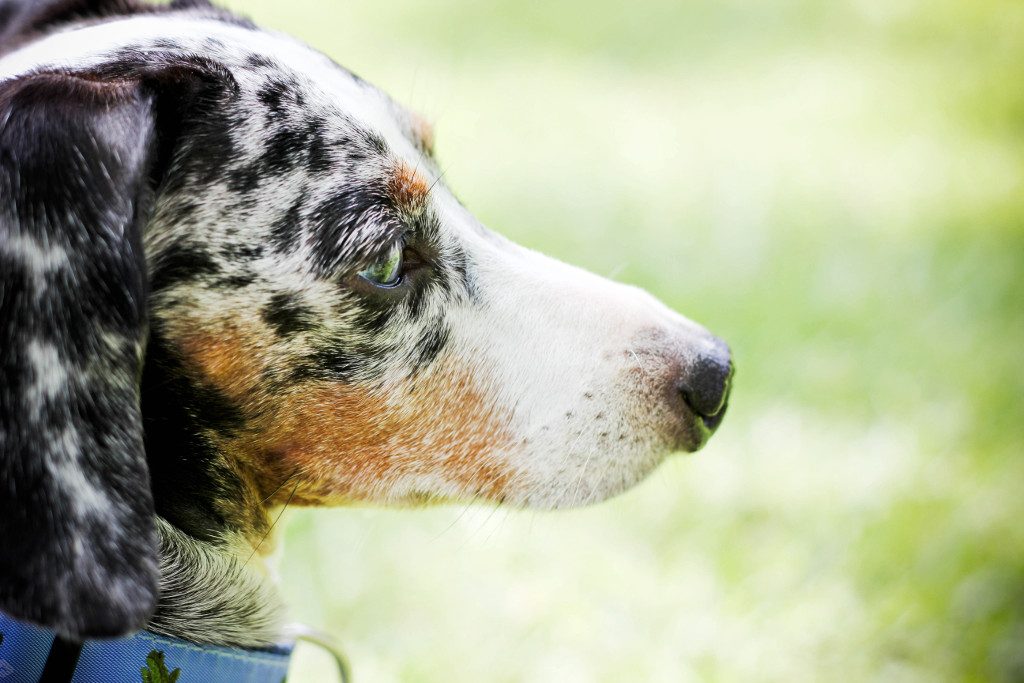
{"points": [[304, 80]]}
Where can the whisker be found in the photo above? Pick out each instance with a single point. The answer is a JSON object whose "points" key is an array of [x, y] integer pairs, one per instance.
{"points": [[465, 508], [276, 520], [282, 485], [637, 359], [477, 530], [437, 179], [498, 527]]}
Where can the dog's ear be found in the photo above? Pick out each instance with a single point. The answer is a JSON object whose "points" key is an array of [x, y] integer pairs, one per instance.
{"points": [[77, 536]]}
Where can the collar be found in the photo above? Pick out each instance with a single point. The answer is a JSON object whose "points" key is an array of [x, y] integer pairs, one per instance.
{"points": [[31, 653]]}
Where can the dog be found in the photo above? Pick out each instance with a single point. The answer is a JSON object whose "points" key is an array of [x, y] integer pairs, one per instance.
{"points": [[232, 279]]}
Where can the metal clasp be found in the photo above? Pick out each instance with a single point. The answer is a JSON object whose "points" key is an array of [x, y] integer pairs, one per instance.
{"points": [[325, 641]]}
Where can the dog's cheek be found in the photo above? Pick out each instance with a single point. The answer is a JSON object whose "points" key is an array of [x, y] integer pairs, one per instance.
{"points": [[440, 435], [229, 359]]}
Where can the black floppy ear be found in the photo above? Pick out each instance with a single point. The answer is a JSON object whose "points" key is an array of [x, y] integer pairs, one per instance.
{"points": [[78, 549]]}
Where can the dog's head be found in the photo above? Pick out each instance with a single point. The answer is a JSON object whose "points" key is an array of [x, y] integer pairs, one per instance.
{"points": [[232, 267]]}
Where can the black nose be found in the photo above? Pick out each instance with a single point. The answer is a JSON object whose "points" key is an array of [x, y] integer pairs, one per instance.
{"points": [[706, 382]]}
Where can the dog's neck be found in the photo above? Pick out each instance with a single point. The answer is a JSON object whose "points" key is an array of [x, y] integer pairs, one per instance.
{"points": [[195, 487], [213, 521]]}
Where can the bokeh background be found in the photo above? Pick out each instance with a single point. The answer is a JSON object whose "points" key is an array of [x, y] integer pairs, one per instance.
{"points": [[834, 186]]}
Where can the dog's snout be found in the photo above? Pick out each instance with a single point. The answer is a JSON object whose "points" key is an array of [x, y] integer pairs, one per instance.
{"points": [[706, 382]]}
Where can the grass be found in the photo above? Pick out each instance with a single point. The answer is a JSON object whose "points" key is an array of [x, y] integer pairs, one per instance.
{"points": [[837, 188]]}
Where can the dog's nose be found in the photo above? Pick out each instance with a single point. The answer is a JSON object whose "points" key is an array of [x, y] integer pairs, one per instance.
{"points": [[705, 383]]}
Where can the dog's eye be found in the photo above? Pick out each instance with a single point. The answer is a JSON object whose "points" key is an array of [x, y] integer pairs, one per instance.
{"points": [[387, 270]]}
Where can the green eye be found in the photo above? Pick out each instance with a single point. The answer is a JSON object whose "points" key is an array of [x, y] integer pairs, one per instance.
{"points": [[387, 270]]}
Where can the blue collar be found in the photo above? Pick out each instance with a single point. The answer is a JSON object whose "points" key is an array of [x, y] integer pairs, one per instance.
{"points": [[140, 658]]}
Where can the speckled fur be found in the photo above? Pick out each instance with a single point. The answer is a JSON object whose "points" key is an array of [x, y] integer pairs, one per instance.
{"points": [[228, 186]]}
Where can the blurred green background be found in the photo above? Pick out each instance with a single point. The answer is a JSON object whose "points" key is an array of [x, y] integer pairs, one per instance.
{"points": [[837, 189]]}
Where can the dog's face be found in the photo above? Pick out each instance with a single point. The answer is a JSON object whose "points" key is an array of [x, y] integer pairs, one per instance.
{"points": [[326, 321], [378, 341]]}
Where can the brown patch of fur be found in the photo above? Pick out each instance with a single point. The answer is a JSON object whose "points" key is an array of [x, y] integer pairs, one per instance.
{"points": [[351, 443], [227, 357], [326, 442], [423, 132], [408, 188]]}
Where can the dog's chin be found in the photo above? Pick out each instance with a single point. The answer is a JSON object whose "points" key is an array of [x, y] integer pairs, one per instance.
{"points": [[592, 475], [584, 479]]}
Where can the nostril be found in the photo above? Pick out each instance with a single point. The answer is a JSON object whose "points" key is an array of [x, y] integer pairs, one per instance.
{"points": [[705, 386]]}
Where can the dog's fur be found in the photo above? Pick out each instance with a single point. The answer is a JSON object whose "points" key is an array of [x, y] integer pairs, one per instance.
{"points": [[188, 206]]}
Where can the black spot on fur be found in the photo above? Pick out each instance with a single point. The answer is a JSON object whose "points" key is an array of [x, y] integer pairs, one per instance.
{"points": [[245, 178], [331, 362], [274, 95], [285, 149], [375, 142], [210, 149], [241, 252], [354, 151], [285, 231], [287, 315], [166, 44], [430, 344], [185, 211], [319, 159], [418, 298], [236, 281], [372, 316], [257, 61], [297, 144], [181, 263]]}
